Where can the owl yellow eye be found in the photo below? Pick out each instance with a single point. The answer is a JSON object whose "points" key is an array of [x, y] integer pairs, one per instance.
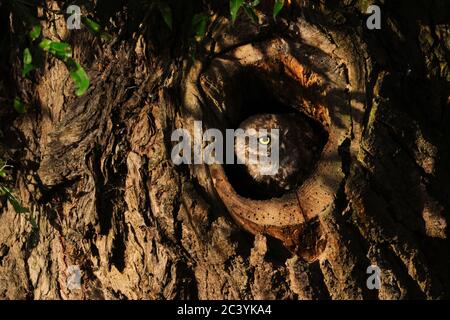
{"points": [[264, 140]]}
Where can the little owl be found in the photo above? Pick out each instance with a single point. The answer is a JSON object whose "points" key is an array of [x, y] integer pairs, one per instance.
{"points": [[298, 148]]}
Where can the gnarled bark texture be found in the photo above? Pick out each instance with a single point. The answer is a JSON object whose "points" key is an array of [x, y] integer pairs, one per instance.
{"points": [[97, 176]]}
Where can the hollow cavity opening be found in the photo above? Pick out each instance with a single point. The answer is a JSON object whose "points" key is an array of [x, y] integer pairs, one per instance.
{"points": [[255, 101]]}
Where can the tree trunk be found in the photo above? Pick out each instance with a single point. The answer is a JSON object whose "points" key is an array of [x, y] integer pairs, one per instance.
{"points": [[97, 175]]}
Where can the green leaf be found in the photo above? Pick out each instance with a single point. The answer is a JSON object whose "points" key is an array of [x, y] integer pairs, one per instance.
{"points": [[3, 173], [255, 3], [27, 62], [279, 4], [250, 11], [19, 106], [4, 191], [61, 50], [95, 28], [166, 13], [92, 26], [16, 204], [199, 24], [79, 77], [235, 5], [27, 58], [27, 69], [45, 44], [35, 32]]}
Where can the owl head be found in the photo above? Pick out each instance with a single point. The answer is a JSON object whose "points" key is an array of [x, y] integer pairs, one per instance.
{"points": [[277, 151]]}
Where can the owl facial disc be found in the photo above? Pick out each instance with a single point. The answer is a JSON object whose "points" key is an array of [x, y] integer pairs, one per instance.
{"points": [[294, 142]]}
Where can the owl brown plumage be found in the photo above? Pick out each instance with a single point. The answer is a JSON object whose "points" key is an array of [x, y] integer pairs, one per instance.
{"points": [[298, 149]]}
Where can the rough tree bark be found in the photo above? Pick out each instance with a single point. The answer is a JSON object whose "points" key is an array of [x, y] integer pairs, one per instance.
{"points": [[96, 172]]}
